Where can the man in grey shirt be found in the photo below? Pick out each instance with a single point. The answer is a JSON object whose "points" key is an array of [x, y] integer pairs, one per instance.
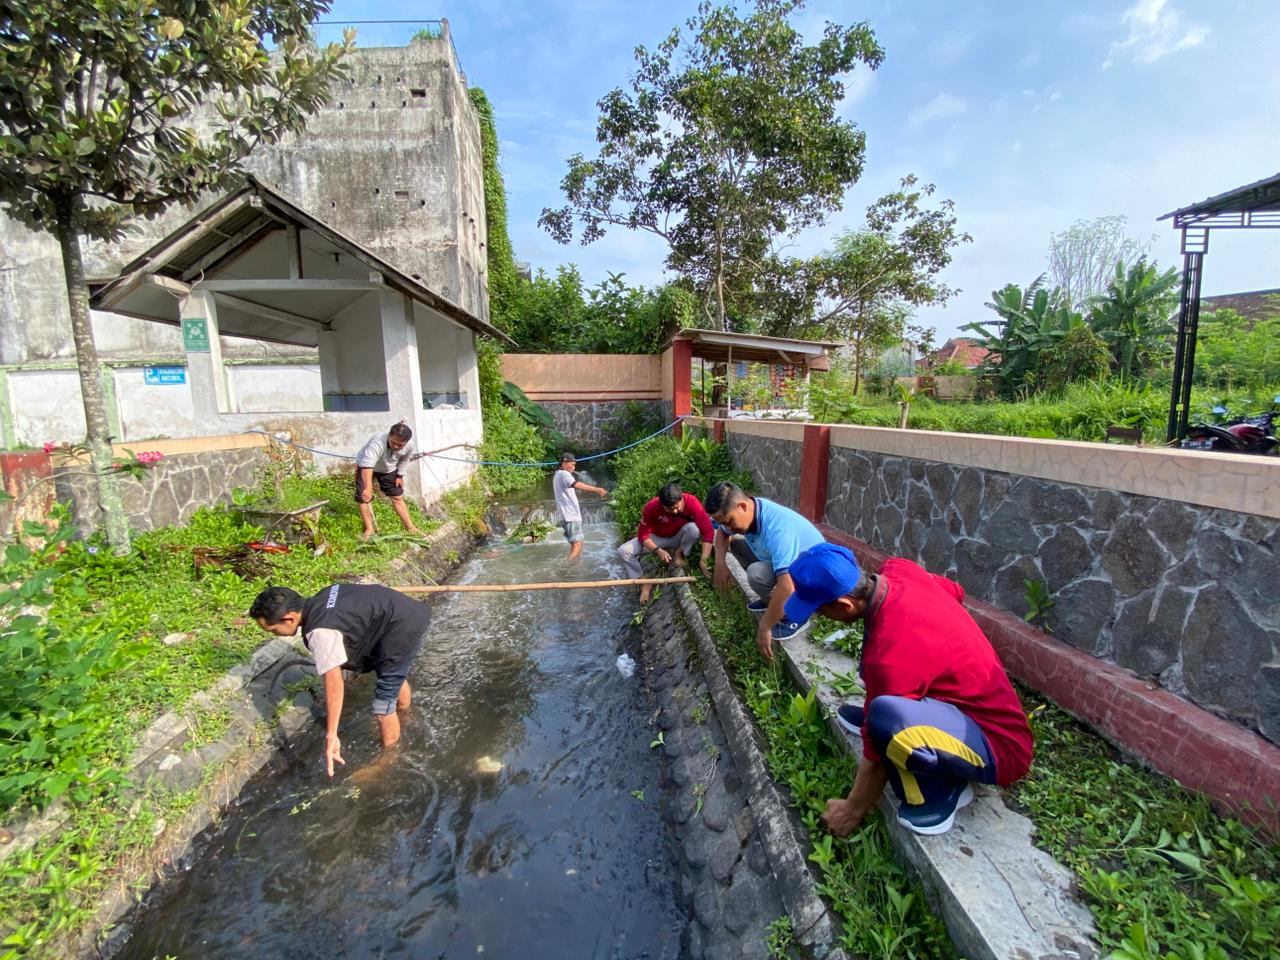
{"points": [[566, 485], [381, 460]]}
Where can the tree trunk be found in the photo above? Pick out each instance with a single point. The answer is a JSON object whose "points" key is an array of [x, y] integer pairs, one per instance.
{"points": [[95, 402], [724, 321]]}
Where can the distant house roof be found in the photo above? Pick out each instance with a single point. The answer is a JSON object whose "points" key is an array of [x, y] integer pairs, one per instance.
{"points": [[1253, 305], [963, 349]]}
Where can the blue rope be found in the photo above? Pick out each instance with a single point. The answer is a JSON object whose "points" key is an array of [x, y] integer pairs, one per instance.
{"points": [[485, 463]]}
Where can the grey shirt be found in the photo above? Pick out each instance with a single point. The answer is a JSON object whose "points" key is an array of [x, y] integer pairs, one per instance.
{"points": [[566, 496], [381, 458]]}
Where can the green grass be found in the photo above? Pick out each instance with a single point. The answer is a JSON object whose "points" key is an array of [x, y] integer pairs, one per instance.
{"points": [[882, 908], [1082, 413], [88, 673], [1165, 876]]}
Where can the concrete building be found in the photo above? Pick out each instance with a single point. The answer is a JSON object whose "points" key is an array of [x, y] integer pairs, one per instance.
{"points": [[393, 163]]}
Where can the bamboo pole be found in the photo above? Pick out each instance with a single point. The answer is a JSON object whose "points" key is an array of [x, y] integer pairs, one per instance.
{"points": [[517, 587]]}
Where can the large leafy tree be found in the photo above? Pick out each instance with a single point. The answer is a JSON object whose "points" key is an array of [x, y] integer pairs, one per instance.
{"points": [[864, 288], [96, 127], [728, 138], [1030, 325]]}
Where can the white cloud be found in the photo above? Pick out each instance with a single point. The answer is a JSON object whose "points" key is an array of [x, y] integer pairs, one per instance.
{"points": [[939, 108], [1155, 30], [1029, 59], [950, 49]]}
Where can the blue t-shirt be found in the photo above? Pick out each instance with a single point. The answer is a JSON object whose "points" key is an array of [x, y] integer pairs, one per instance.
{"points": [[779, 535]]}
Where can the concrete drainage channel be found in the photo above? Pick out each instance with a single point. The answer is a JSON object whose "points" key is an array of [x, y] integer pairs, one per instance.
{"points": [[267, 714], [743, 862]]}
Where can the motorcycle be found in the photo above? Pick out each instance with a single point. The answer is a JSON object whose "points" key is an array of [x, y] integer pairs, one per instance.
{"points": [[1254, 435]]}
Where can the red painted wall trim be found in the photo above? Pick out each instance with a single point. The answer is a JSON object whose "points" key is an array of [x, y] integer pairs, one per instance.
{"points": [[681, 380], [1235, 767], [717, 431], [813, 471]]}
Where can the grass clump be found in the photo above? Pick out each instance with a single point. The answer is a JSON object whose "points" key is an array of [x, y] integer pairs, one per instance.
{"points": [[1165, 876]]}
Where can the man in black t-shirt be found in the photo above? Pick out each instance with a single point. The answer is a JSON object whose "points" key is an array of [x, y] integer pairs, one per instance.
{"points": [[354, 626]]}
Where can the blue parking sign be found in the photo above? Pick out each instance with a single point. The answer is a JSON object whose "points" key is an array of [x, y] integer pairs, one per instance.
{"points": [[163, 376]]}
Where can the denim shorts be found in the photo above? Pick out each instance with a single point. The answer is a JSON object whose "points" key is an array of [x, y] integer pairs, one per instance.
{"points": [[391, 680], [572, 530]]}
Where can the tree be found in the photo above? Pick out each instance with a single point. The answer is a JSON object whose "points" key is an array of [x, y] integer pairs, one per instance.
{"points": [[863, 290], [95, 128], [728, 139], [1083, 257], [1133, 316]]}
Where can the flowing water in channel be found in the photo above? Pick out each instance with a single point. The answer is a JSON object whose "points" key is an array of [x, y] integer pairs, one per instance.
{"points": [[442, 853]]}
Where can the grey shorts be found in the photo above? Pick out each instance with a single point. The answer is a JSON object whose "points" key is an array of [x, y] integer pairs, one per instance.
{"points": [[387, 690], [572, 530]]}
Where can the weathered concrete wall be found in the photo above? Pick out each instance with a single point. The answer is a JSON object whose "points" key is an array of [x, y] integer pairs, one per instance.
{"points": [[394, 162], [168, 493], [602, 424]]}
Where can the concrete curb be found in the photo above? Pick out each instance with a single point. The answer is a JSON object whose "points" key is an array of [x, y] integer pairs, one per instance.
{"points": [[783, 839], [1000, 897]]}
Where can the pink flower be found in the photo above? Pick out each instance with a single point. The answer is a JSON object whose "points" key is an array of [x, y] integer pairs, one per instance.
{"points": [[150, 456], [50, 446]]}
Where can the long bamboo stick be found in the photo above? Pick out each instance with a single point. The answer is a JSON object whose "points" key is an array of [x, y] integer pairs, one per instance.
{"points": [[517, 587]]}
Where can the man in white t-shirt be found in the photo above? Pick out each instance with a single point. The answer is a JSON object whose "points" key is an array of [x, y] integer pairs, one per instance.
{"points": [[381, 460], [566, 485]]}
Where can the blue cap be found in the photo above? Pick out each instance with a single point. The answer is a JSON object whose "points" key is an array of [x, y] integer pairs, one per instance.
{"points": [[820, 574]]}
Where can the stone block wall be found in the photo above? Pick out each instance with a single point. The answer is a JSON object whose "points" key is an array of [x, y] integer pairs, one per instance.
{"points": [[168, 493], [601, 424], [1180, 593]]}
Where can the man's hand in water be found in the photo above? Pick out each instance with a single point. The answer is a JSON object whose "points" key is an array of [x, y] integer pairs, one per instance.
{"points": [[333, 751]]}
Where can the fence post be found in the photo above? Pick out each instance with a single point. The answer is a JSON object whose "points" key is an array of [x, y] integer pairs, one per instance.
{"points": [[717, 430], [814, 458]]}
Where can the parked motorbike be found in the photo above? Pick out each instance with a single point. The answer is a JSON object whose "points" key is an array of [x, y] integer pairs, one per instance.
{"points": [[1254, 435]]}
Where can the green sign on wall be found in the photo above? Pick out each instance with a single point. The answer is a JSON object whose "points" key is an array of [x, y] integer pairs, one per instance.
{"points": [[195, 335]]}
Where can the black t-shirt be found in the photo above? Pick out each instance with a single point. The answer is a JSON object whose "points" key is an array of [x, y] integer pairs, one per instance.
{"points": [[380, 627]]}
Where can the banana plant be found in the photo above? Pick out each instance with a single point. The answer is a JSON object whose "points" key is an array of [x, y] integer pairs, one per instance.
{"points": [[1133, 315]]}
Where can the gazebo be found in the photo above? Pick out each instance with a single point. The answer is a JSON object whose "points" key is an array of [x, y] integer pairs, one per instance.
{"points": [[1253, 206]]}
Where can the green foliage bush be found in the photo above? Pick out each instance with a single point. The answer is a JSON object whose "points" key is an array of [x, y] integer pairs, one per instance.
{"points": [[508, 437], [1233, 352], [693, 462]]}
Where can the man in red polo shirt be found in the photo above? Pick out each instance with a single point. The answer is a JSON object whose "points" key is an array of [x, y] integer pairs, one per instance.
{"points": [[670, 524], [939, 710]]}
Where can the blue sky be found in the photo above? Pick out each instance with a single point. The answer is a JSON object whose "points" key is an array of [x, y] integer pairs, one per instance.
{"points": [[1029, 115]]}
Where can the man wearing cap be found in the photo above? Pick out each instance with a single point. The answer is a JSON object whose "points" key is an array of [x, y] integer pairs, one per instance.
{"points": [[776, 535], [565, 486], [939, 710]]}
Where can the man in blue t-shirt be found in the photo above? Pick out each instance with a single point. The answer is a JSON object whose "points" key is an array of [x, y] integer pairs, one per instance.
{"points": [[776, 535]]}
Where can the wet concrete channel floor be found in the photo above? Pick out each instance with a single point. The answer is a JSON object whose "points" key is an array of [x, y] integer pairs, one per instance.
{"points": [[440, 854]]}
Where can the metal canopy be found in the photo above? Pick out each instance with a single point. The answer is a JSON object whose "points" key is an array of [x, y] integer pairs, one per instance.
{"points": [[1253, 206], [276, 272], [722, 347]]}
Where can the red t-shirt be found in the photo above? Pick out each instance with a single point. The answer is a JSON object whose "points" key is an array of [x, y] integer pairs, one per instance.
{"points": [[921, 642], [654, 519]]}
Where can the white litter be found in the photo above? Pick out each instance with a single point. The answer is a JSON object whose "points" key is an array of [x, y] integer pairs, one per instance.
{"points": [[487, 764], [831, 638], [626, 666]]}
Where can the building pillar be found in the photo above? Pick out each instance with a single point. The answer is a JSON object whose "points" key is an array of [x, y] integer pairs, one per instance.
{"points": [[330, 384], [814, 459], [206, 375], [404, 375], [468, 368]]}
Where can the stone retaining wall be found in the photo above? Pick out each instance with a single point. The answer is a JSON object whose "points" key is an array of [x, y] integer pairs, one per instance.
{"points": [[1176, 588], [601, 424], [169, 492]]}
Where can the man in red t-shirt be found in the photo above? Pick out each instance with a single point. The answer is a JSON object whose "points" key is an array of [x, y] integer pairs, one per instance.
{"points": [[939, 710], [670, 524]]}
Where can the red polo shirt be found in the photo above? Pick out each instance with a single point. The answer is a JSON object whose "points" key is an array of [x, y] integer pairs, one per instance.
{"points": [[654, 519], [921, 642]]}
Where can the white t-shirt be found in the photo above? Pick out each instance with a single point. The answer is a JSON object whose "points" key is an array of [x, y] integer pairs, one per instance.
{"points": [[327, 648], [566, 497], [382, 458]]}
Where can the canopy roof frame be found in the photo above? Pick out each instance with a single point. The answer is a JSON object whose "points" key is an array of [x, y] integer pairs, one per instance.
{"points": [[1253, 206]]}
